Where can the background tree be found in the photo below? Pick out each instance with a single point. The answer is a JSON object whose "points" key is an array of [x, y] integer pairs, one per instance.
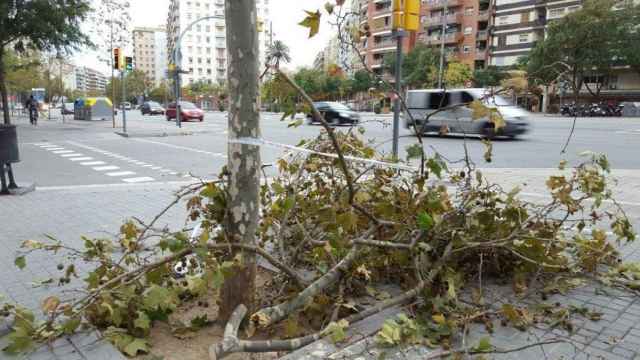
{"points": [[419, 67], [491, 76], [629, 35], [39, 25], [457, 74], [160, 93], [585, 43], [136, 83], [278, 52]]}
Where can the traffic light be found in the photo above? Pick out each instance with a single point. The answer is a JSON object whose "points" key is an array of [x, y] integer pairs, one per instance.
{"points": [[398, 16], [129, 63], [260, 25], [411, 15], [116, 59]]}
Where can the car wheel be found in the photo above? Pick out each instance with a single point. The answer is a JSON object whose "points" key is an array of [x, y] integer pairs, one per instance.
{"points": [[309, 119], [201, 119], [168, 118]]}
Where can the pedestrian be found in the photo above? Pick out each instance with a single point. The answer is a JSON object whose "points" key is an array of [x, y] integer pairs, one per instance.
{"points": [[32, 107]]}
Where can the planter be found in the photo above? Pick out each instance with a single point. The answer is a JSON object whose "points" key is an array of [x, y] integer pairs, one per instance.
{"points": [[9, 144]]}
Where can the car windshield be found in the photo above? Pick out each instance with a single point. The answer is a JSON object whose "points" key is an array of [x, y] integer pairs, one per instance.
{"points": [[153, 104], [187, 106]]}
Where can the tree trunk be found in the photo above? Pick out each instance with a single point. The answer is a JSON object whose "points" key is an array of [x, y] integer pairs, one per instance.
{"points": [[3, 90], [243, 160]]}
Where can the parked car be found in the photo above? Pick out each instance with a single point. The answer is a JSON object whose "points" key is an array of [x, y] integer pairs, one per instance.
{"points": [[188, 111], [335, 113], [459, 119], [67, 109], [151, 108]]}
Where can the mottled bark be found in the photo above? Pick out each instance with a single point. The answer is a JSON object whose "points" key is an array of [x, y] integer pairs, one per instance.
{"points": [[3, 89], [243, 160]]}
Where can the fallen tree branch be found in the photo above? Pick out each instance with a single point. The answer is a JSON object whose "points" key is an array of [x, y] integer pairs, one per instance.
{"points": [[274, 314], [230, 341], [444, 353]]}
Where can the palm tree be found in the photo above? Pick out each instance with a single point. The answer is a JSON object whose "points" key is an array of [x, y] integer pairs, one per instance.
{"points": [[277, 52]]}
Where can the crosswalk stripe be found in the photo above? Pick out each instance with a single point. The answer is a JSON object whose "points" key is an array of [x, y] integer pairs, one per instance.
{"points": [[121, 173], [93, 163], [138, 179], [62, 152], [71, 155], [105, 168], [84, 158]]}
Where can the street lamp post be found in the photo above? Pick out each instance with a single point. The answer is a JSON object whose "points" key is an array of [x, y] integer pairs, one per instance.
{"points": [[177, 59], [444, 34]]}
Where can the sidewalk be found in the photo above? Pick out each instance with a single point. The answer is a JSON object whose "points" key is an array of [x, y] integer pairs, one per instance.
{"points": [[69, 212]]}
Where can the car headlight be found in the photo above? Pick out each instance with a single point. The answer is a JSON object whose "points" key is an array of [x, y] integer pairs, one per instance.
{"points": [[345, 115]]}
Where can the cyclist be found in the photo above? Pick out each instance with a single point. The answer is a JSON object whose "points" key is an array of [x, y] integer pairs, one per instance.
{"points": [[32, 108]]}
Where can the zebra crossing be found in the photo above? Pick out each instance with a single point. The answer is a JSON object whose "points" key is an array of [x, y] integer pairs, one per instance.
{"points": [[99, 162]]}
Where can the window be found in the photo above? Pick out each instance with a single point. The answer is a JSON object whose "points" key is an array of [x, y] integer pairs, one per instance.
{"points": [[502, 40], [468, 11], [524, 17], [466, 49], [468, 30], [556, 13], [503, 20], [523, 38]]}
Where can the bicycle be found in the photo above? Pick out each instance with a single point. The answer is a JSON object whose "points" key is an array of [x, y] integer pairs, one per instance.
{"points": [[33, 116]]}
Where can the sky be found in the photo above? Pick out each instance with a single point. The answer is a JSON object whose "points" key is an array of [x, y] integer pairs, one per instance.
{"points": [[285, 15]]}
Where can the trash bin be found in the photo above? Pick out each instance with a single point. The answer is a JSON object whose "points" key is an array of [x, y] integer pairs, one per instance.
{"points": [[8, 144]]}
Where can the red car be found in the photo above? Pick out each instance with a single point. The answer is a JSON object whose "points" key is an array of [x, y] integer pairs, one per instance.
{"points": [[188, 111]]}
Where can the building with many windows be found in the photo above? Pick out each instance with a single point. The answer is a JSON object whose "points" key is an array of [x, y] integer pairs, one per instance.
{"points": [[85, 80], [204, 46], [150, 53]]}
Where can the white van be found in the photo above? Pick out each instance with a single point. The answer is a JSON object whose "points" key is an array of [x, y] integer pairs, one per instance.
{"points": [[458, 119]]}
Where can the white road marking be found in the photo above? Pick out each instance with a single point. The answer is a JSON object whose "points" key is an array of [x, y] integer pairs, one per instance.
{"points": [[156, 168], [92, 163], [105, 168], [148, 165], [182, 148], [138, 180], [71, 155], [62, 152], [166, 170], [84, 158], [121, 173]]}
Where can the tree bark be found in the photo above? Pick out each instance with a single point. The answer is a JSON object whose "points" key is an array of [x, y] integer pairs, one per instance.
{"points": [[3, 89], [243, 160]]}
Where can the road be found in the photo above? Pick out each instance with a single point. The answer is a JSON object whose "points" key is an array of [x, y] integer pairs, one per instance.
{"points": [[88, 153]]}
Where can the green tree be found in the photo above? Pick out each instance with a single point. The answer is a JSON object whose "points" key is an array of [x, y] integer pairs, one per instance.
{"points": [[40, 25], [311, 81], [457, 74], [278, 52], [136, 85], [419, 66], [160, 93], [629, 35], [581, 44], [491, 76]]}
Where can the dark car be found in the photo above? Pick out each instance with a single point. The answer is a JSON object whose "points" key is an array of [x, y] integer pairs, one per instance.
{"points": [[151, 108], [335, 113], [188, 111]]}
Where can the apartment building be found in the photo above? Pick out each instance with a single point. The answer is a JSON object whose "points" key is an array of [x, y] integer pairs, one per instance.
{"points": [[466, 25], [204, 47], [150, 53], [84, 79], [520, 24]]}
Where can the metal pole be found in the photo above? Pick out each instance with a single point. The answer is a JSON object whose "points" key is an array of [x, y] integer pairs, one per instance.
{"points": [[124, 96], [396, 105], [444, 34], [178, 89], [62, 92], [113, 77]]}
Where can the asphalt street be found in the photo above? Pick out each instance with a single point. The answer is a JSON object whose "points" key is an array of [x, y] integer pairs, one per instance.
{"points": [[88, 153]]}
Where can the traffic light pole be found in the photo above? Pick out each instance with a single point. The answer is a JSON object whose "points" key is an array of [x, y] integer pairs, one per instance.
{"points": [[399, 34], [124, 96]]}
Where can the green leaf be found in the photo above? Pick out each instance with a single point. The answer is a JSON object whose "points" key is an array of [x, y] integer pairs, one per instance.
{"points": [[436, 165], [329, 7], [336, 330], [289, 202], [199, 322], [414, 151], [425, 221], [142, 321], [295, 123], [312, 21], [157, 297], [484, 345], [135, 346], [71, 325], [20, 262]]}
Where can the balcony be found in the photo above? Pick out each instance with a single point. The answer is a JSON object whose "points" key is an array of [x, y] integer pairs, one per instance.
{"points": [[482, 35], [376, 63], [379, 25], [441, 3], [484, 15], [389, 43], [437, 21], [481, 54], [452, 38]]}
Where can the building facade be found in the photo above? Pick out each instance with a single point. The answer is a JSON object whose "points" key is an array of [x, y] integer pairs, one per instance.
{"points": [[204, 46], [86, 80], [150, 53], [520, 24]]}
